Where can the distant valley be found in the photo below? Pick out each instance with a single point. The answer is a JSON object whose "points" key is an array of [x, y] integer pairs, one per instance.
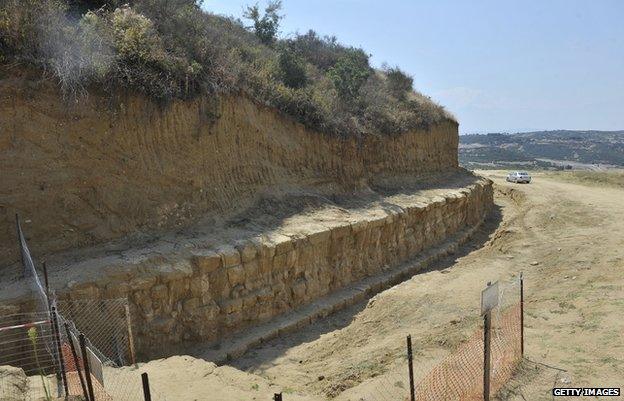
{"points": [[585, 150]]}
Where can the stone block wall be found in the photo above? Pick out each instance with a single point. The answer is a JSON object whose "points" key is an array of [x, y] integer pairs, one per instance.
{"points": [[211, 293]]}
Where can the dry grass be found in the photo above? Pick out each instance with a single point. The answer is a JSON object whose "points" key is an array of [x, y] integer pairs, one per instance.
{"points": [[610, 178]]}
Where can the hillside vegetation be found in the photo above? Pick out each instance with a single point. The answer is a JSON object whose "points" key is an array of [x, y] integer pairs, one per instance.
{"points": [[171, 49], [558, 149]]}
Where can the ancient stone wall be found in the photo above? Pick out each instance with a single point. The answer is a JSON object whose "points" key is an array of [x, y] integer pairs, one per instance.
{"points": [[211, 293]]}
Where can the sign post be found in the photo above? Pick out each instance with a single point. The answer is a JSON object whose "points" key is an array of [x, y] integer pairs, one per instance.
{"points": [[410, 366]]}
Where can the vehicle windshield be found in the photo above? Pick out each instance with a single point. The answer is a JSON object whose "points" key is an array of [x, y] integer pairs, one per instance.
{"points": [[523, 173]]}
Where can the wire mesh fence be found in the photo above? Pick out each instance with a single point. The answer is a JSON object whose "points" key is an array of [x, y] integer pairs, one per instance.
{"points": [[29, 370], [461, 375], [105, 323], [25, 362], [74, 349], [81, 349]]}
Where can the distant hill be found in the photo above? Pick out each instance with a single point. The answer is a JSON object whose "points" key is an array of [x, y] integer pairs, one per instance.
{"points": [[543, 149]]}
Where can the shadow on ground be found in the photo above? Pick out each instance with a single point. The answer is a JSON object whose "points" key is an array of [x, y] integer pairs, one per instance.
{"points": [[265, 354]]}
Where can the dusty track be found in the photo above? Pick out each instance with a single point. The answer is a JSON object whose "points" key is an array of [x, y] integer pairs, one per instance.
{"points": [[567, 239]]}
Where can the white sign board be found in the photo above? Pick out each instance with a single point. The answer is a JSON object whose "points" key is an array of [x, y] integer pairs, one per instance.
{"points": [[489, 298], [95, 365]]}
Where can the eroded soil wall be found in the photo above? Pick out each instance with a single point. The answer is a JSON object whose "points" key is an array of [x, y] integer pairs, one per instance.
{"points": [[86, 172]]}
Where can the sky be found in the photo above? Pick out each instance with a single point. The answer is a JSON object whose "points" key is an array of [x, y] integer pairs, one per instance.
{"points": [[496, 65]]}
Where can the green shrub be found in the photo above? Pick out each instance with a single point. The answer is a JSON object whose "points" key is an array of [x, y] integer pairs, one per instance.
{"points": [[399, 83], [321, 52], [135, 37], [292, 69], [349, 74], [173, 49], [24, 22]]}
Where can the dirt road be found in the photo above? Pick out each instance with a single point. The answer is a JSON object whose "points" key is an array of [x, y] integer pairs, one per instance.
{"points": [[575, 304], [568, 239]]}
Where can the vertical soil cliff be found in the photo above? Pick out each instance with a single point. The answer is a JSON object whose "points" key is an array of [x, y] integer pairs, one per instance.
{"points": [[102, 168]]}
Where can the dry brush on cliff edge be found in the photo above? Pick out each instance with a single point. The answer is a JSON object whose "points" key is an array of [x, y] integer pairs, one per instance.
{"points": [[171, 49]]}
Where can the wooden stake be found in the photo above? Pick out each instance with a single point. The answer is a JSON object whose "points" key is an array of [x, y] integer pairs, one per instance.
{"points": [[130, 336]]}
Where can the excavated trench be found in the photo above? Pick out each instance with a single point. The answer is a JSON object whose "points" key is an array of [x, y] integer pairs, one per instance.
{"points": [[214, 217]]}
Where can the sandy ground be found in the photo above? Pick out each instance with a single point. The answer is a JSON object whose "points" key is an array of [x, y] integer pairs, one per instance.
{"points": [[568, 239]]}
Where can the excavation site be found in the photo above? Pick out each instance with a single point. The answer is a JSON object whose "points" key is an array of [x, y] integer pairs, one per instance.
{"points": [[195, 209]]}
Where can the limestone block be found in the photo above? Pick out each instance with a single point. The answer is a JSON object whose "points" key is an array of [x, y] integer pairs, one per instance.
{"points": [[206, 261], [163, 325], [229, 256], [284, 245], [250, 302], [191, 305], [340, 231], [178, 289], [233, 320], [266, 251], [117, 290], [280, 262], [200, 287], [319, 237], [209, 311], [179, 270], [84, 291], [143, 282], [247, 250], [238, 291], [236, 275], [219, 284], [359, 226], [143, 301], [252, 272], [231, 306], [291, 258], [264, 295], [159, 292]]}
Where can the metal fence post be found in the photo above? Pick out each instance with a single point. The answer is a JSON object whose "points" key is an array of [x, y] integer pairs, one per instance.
{"points": [[19, 239], [59, 350], [487, 323], [146, 388], [76, 362], [522, 314], [277, 397], [51, 311], [85, 362], [410, 366]]}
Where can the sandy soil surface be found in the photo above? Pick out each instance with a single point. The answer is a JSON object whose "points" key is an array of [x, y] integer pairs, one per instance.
{"points": [[566, 238], [272, 218]]}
